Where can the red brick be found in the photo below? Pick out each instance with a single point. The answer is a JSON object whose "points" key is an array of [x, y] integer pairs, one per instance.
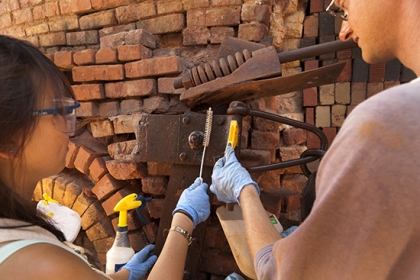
{"points": [[218, 33], [106, 55], [154, 67], [133, 52], [106, 4], [143, 87], [125, 123], [311, 64], [126, 170], [110, 202], [166, 86], [98, 20], [46, 11], [311, 26], [74, 6], [88, 92], [168, 7], [163, 24], [102, 128], [195, 4], [196, 18], [107, 186], [330, 132], [82, 38], [223, 17], [64, 59], [310, 116], [97, 168], [312, 140], [195, 36], [52, 39], [84, 158], [151, 231], [252, 31], [344, 54], [346, 74], [294, 136], [109, 109], [98, 73], [74, 146], [84, 57], [265, 140], [130, 106], [154, 185], [5, 20], [155, 207], [256, 13], [135, 12], [310, 97], [87, 109], [316, 6], [377, 73], [22, 16]]}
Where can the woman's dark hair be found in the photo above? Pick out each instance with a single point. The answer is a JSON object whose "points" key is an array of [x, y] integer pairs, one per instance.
{"points": [[25, 74]]}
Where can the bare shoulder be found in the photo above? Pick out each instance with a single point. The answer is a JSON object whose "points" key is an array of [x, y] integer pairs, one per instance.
{"points": [[46, 261]]}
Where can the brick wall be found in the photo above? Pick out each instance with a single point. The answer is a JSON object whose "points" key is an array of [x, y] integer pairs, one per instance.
{"points": [[122, 58]]}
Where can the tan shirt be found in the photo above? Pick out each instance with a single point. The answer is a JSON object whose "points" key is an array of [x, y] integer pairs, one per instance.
{"points": [[365, 220]]}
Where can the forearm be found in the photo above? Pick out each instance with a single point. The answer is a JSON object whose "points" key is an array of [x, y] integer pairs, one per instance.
{"points": [[259, 231], [171, 262]]}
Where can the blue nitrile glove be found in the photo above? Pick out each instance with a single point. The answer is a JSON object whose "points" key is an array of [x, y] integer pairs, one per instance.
{"points": [[229, 177], [194, 202], [141, 263], [288, 231]]}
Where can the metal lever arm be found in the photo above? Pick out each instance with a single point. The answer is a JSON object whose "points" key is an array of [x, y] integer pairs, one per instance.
{"points": [[239, 108]]}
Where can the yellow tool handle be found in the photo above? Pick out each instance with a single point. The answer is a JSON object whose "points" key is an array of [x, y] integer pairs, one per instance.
{"points": [[233, 133]]}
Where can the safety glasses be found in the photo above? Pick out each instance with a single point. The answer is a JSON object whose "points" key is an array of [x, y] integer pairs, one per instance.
{"points": [[333, 10], [63, 114]]}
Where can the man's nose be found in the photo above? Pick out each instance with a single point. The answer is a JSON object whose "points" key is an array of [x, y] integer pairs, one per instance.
{"points": [[345, 32]]}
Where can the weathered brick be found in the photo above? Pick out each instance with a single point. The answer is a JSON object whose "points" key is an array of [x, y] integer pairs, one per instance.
{"points": [[52, 39], [338, 115], [98, 73], [87, 109], [326, 94], [126, 170], [374, 88], [294, 182], [218, 33], [106, 4], [46, 10], [155, 207], [330, 133], [358, 93], [74, 189], [154, 185], [101, 229], [310, 116], [130, 106], [97, 168], [98, 20], [195, 36], [82, 203], [84, 158], [73, 146], [223, 17], [159, 168], [109, 109], [88, 91], [254, 31], [196, 18], [22, 16], [316, 6], [377, 73], [346, 73], [310, 97], [82, 38], [312, 140], [106, 55], [166, 86], [310, 26], [92, 215], [74, 6], [102, 128], [322, 116], [294, 136], [163, 24], [84, 57], [290, 153], [64, 23], [168, 7], [195, 4], [107, 186], [5, 20], [133, 52], [265, 140], [60, 185], [143, 87], [37, 29], [125, 123], [64, 59], [256, 13], [311, 64], [110, 202], [135, 12], [342, 93], [154, 67]]}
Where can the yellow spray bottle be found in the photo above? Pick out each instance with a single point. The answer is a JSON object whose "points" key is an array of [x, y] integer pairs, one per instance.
{"points": [[121, 251]]}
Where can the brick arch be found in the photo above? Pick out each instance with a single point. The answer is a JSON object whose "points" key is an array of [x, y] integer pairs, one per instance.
{"points": [[86, 186]]}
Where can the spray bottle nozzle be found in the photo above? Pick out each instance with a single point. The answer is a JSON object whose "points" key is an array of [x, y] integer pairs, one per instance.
{"points": [[129, 202]]}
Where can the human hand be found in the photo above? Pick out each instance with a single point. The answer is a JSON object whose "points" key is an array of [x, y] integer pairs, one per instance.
{"points": [[229, 177], [194, 202], [140, 264]]}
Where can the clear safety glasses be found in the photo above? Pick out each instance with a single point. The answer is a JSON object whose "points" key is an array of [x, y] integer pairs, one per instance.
{"points": [[63, 114], [332, 9]]}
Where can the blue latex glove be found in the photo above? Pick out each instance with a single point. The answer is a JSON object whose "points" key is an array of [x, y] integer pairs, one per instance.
{"points": [[195, 202], [288, 231], [229, 177], [141, 263]]}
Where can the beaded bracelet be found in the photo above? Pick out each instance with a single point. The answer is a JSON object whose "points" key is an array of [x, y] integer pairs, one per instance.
{"points": [[183, 232]]}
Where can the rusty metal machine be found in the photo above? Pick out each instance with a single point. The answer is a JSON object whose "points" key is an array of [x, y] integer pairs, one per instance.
{"points": [[243, 71]]}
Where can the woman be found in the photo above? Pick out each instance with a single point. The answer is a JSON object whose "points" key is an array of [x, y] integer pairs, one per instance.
{"points": [[37, 116]]}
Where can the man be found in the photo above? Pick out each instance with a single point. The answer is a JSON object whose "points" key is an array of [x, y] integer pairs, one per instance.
{"points": [[364, 221]]}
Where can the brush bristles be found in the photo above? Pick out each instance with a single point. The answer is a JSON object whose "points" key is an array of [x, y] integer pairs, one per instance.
{"points": [[207, 131]]}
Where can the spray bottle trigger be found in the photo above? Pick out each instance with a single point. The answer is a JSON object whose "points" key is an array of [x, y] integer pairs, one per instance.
{"points": [[142, 205]]}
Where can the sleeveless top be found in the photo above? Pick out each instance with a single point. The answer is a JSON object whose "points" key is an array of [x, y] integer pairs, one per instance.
{"points": [[20, 238]]}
